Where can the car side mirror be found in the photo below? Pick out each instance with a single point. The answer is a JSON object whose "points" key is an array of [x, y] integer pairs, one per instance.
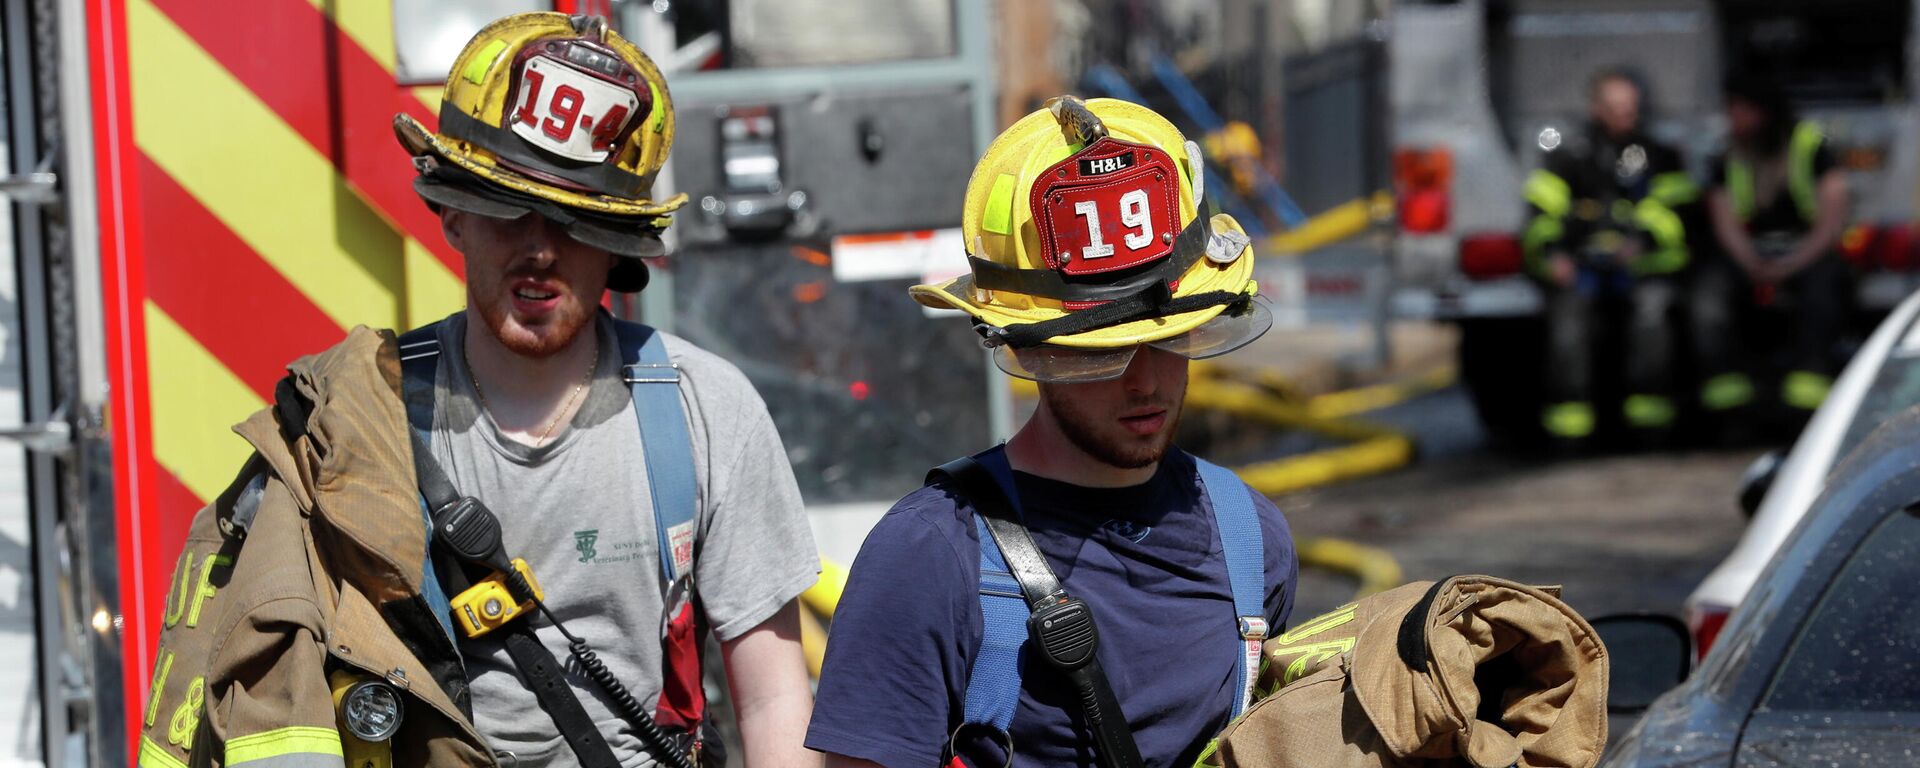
{"points": [[1648, 654], [1758, 478]]}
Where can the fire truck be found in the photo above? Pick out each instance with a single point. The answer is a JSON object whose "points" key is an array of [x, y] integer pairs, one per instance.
{"points": [[202, 192], [1480, 89]]}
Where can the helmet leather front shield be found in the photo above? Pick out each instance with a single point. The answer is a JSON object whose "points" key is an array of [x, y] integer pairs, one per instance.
{"points": [[1230, 330]]}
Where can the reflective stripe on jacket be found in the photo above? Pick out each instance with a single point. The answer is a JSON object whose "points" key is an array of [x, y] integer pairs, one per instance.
{"points": [[1567, 188], [1800, 181]]}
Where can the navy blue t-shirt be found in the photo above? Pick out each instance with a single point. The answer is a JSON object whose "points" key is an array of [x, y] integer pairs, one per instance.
{"points": [[1145, 558]]}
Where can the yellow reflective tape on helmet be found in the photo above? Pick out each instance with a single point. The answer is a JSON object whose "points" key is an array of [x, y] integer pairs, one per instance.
{"points": [[1648, 411], [660, 107], [1726, 392], [1805, 390], [292, 740], [1669, 238], [1549, 193], [152, 755], [1800, 181], [1673, 188], [1568, 420], [1740, 188], [998, 218], [476, 70]]}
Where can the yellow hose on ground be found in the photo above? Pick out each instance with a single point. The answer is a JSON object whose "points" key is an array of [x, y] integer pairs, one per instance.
{"points": [[1375, 568]]}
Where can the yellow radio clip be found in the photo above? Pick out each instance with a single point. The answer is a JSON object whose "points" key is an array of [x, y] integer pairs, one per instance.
{"points": [[489, 605]]}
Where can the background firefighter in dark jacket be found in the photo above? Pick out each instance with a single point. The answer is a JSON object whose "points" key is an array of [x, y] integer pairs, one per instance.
{"points": [[1604, 229], [1779, 205]]}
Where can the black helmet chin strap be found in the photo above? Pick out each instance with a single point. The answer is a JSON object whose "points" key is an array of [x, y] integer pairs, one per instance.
{"points": [[1156, 301]]}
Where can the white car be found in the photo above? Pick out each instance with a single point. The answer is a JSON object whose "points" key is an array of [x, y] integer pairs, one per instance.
{"points": [[1882, 380]]}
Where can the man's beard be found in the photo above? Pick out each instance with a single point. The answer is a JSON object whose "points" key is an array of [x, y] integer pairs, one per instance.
{"points": [[1119, 448], [519, 340]]}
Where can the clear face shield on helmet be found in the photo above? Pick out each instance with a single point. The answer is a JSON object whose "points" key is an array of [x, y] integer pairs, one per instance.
{"points": [[1232, 329]]}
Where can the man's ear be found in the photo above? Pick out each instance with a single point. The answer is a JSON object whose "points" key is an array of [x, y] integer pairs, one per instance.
{"points": [[451, 222]]}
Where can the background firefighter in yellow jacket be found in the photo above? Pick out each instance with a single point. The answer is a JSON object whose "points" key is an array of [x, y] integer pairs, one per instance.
{"points": [[1604, 228], [1779, 205]]}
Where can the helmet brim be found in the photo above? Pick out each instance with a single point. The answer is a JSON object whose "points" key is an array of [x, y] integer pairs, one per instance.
{"points": [[417, 140], [1205, 276], [632, 240], [1235, 327]]}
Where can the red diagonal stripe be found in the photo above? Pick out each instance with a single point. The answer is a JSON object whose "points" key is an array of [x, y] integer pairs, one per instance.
{"points": [[222, 292], [282, 56]]}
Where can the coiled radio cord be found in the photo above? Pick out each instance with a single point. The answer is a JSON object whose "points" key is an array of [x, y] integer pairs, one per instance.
{"points": [[662, 746]]}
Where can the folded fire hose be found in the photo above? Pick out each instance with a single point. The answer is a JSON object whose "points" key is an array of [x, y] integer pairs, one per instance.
{"points": [[1469, 671]]}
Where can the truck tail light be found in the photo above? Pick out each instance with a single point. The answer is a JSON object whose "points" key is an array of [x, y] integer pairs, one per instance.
{"points": [[1487, 256], [1421, 180], [1872, 247], [1706, 620]]}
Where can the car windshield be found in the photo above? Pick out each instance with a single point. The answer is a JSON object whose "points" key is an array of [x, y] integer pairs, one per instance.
{"points": [[1896, 387], [1859, 651]]}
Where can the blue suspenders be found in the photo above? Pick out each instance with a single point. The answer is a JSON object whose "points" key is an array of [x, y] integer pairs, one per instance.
{"points": [[993, 684], [654, 384]]}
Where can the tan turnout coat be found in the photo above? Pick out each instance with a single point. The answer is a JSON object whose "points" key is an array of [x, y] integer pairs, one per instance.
{"points": [[323, 581], [1471, 671]]}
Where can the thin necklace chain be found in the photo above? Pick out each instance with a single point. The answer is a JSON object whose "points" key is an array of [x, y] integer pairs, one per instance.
{"points": [[592, 363]]}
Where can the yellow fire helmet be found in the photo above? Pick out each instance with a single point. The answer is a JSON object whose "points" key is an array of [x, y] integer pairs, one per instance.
{"points": [[1085, 239], [558, 116]]}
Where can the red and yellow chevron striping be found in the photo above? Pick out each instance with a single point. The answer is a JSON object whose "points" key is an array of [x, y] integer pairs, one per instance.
{"points": [[253, 205]]}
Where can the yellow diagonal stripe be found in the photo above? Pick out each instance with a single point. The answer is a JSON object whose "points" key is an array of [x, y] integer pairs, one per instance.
{"points": [[259, 177], [368, 22], [432, 290], [196, 401], [428, 95]]}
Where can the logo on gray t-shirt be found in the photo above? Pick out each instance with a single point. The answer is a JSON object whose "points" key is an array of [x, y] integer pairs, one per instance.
{"points": [[583, 541]]}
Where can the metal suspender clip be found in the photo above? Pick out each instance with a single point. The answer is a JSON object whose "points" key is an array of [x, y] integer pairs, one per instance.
{"points": [[651, 373]]}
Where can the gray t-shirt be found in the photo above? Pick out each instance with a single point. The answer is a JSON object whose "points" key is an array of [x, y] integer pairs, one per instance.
{"points": [[578, 510]]}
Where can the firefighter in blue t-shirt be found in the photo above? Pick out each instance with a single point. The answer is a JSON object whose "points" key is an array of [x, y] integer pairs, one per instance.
{"points": [[1094, 274]]}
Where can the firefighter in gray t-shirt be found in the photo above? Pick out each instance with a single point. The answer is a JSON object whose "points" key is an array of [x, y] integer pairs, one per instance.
{"points": [[541, 171]]}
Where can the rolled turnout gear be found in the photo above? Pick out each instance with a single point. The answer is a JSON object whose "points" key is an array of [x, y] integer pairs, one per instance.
{"points": [[1469, 671], [554, 115], [1085, 240]]}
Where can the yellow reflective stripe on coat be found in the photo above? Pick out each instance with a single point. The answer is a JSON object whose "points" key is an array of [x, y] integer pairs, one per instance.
{"points": [[1550, 193], [1800, 181], [1673, 188], [1669, 238], [292, 745], [1726, 392], [1568, 420], [1543, 231], [1801, 184], [1805, 390], [1740, 188], [152, 755], [1648, 411]]}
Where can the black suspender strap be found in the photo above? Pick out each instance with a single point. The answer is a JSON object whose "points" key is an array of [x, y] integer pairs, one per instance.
{"points": [[1061, 627], [539, 670]]}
